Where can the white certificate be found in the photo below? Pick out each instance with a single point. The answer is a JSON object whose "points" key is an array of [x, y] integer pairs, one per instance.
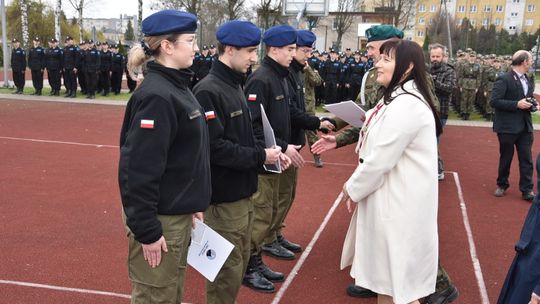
{"points": [[208, 250], [349, 111], [269, 141]]}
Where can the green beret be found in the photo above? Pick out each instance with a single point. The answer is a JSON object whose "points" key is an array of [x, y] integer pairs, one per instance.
{"points": [[382, 32]]}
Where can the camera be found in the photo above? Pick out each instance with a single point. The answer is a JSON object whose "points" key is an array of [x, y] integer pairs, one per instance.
{"points": [[534, 106]]}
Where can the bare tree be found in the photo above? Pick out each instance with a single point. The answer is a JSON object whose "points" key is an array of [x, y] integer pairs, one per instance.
{"points": [[192, 6], [234, 8], [24, 22], [269, 12], [57, 14], [79, 5], [401, 10], [344, 18], [139, 27]]}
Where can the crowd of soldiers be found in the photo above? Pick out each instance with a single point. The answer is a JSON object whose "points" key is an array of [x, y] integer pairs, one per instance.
{"points": [[94, 67], [476, 75]]}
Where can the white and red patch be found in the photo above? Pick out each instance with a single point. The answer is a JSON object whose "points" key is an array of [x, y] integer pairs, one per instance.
{"points": [[252, 97], [210, 115], [147, 123]]}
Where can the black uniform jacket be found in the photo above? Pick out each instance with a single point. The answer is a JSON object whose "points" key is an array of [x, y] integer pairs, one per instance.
{"points": [[234, 156], [92, 60], [54, 58], [71, 57], [18, 59], [164, 163], [106, 58], [507, 91], [36, 58], [268, 86], [300, 120]]}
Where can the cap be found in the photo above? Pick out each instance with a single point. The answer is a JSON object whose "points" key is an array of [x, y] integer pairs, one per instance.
{"points": [[90, 41], [53, 40], [324, 53], [14, 40], [68, 38], [212, 46], [98, 43], [114, 46], [36, 38], [205, 47], [347, 49], [83, 42], [239, 34], [305, 38], [383, 32], [169, 21], [472, 53], [332, 50], [358, 53], [280, 35]]}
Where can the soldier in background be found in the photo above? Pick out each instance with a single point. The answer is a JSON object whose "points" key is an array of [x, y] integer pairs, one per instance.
{"points": [[117, 69], [36, 63], [71, 62], [312, 82], [344, 79], [331, 76], [456, 94], [54, 57], [80, 68], [213, 52], [18, 66], [92, 65], [357, 69], [321, 91], [203, 64], [105, 69], [490, 75], [469, 82]]}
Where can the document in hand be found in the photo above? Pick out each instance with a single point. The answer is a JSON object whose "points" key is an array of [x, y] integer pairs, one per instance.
{"points": [[208, 250], [349, 111], [269, 141]]}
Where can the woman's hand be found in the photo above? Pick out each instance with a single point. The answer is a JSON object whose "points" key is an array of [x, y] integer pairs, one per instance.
{"points": [[347, 199]]}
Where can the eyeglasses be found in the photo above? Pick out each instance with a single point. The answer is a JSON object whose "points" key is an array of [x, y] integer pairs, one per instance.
{"points": [[305, 50], [192, 42]]}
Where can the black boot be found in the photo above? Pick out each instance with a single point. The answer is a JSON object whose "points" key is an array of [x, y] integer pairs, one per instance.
{"points": [[255, 280], [276, 250], [73, 94], [68, 93], [57, 93], [272, 276], [38, 92], [288, 245], [360, 292]]}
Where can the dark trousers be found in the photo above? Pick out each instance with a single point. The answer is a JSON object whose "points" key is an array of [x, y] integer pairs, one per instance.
{"points": [[82, 81], [331, 92], [116, 81], [523, 143], [105, 81], [70, 80], [91, 82], [131, 83], [18, 79], [54, 79], [37, 79]]}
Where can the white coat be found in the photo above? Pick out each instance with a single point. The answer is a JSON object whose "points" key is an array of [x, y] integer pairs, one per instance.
{"points": [[392, 241]]}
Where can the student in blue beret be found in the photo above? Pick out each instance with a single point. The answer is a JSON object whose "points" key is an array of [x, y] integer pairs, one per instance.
{"points": [[164, 167], [234, 154], [267, 86]]}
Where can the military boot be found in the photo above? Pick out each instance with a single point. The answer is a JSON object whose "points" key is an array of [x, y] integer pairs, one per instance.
{"points": [[255, 280], [272, 276], [318, 161]]}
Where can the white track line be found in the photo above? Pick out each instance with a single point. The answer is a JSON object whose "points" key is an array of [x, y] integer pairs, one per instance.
{"points": [[472, 247], [58, 142], [306, 252], [61, 288]]}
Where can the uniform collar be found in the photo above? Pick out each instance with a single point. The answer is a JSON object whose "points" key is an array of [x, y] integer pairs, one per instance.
{"points": [[297, 66], [224, 72], [278, 68], [181, 78]]}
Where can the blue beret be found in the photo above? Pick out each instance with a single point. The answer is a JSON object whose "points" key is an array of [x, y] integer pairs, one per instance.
{"points": [[239, 33], [305, 38], [382, 32], [169, 21], [280, 35]]}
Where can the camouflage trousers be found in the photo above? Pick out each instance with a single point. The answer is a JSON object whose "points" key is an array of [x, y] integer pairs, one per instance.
{"points": [[468, 97], [443, 280]]}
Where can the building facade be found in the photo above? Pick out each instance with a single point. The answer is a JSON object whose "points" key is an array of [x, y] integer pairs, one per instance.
{"points": [[112, 28]]}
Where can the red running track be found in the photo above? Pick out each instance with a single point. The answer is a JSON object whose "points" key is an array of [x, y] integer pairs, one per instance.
{"points": [[61, 224]]}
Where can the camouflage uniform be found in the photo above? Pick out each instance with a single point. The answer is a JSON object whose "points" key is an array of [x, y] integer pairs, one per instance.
{"points": [[312, 80], [491, 74], [469, 82]]}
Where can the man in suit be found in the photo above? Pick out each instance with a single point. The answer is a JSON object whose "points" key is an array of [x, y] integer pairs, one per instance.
{"points": [[513, 123]]}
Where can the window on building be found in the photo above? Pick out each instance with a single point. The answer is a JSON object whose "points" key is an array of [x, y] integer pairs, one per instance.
{"points": [[420, 34], [485, 21], [499, 8], [421, 8], [433, 8], [497, 22], [473, 9], [529, 22], [531, 8], [512, 27], [461, 8], [430, 21], [487, 8], [421, 20], [472, 22], [334, 24], [513, 14], [515, 1]]}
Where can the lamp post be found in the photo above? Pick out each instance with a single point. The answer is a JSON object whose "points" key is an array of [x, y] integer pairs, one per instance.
{"points": [[4, 44], [536, 59]]}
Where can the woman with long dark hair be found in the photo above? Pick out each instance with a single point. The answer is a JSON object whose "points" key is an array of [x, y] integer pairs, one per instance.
{"points": [[392, 242]]}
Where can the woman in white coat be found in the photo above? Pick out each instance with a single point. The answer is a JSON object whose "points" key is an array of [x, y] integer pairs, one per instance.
{"points": [[392, 241]]}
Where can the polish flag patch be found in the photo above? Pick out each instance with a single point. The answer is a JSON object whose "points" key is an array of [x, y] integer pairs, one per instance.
{"points": [[210, 115], [252, 97], [147, 124]]}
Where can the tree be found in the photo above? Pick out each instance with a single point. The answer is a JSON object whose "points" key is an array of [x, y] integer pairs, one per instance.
{"points": [[24, 22], [312, 22], [344, 18], [192, 6], [139, 19], [57, 12], [129, 35], [234, 8], [269, 13], [402, 11]]}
